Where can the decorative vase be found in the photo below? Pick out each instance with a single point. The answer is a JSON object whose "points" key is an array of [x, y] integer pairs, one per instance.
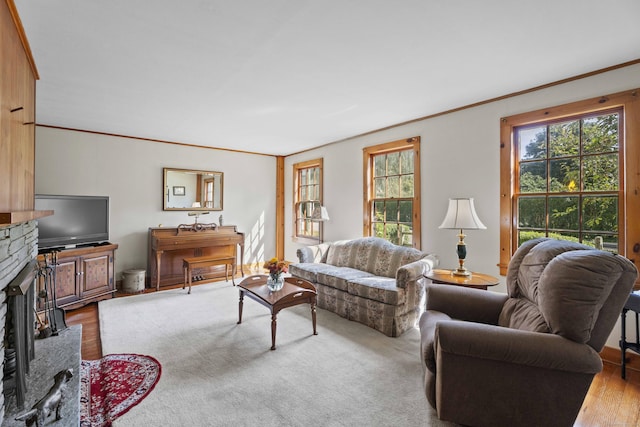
{"points": [[275, 282]]}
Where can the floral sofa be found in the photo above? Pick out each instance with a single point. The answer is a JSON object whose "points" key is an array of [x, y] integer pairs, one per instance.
{"points": [[368, 280]]}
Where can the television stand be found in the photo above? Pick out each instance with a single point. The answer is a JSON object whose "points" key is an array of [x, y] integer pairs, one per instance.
{"points": [[83, 275]]}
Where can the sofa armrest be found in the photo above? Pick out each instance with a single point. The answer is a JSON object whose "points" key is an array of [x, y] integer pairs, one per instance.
{"points": [[313, 253], [531, 349], [462, 303], [416, 270]]}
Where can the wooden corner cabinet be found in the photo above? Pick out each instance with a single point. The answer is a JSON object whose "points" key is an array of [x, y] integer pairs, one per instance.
{"points": [[18, 75], [83, 275]]}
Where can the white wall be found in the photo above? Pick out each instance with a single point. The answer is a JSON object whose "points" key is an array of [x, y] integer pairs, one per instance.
{"points": [[459, 158], [129, 171]]}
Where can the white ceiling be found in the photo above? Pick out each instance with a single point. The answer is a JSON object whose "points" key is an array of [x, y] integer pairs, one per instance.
{"points": [[282, 76]]}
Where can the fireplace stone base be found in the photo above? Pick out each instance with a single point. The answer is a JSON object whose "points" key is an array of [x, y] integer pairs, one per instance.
{"points": [[53, 354]]}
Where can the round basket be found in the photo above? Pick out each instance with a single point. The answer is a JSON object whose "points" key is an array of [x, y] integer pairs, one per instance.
{"points": [[133, 281]]}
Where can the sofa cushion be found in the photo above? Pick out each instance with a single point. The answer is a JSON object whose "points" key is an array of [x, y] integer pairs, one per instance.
{"points": [[338, 277], [377, 288], [308, 270], [372, 254]]}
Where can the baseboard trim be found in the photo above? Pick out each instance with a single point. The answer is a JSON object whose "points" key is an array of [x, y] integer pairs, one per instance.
{"points": [[612, 356]]}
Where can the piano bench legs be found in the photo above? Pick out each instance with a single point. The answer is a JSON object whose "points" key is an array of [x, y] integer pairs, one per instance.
{"points": [[204, 261]]}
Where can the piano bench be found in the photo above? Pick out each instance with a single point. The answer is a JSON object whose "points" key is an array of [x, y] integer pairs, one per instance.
{"points": [[207, 261]]}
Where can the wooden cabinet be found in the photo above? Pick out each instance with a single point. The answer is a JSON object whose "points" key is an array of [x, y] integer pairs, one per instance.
{"points": [[18, 76], [82, 275]]}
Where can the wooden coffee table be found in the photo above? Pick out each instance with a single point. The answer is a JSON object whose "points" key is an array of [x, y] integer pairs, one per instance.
{"points": [[295, 291]]}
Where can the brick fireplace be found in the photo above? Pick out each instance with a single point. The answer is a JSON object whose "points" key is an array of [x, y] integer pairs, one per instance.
{"points": [[18, 246]]}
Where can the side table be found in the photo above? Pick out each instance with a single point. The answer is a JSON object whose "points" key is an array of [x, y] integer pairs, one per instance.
{"points": [[475, 280], [633, 304]]}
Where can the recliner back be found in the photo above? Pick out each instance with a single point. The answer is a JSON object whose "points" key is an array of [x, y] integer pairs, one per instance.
{"points": [[568, 289]]}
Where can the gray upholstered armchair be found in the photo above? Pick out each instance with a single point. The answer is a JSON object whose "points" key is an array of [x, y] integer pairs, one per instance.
{"points": [[526, 358]]}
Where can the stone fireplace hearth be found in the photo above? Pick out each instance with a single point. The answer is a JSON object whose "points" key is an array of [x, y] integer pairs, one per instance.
{"points": [[18, 246]]}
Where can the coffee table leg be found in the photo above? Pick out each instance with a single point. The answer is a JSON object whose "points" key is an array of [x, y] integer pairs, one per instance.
{"points": [[313, 317], [240, 307], [273, 331]]}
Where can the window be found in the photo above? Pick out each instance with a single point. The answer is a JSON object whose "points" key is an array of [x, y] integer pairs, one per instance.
{"points": [[392, 192], [307, 179], [208, 193], [568, 180], [566, 173]]}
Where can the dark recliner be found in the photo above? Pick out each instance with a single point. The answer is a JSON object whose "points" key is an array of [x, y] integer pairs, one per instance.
{"points": [[526, 358]]}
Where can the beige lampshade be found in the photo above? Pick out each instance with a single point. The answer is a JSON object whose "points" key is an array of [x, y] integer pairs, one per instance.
{"points": [[462, 215], [320, 214]]}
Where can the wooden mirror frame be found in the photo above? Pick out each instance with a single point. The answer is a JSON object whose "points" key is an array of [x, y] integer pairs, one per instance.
{"points": [[181, 188]]}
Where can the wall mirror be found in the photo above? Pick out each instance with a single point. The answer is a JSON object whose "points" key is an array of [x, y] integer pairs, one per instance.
{"points": [[192, 190]]}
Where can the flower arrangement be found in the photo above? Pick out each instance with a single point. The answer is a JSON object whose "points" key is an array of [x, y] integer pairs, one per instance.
{"points": [[275, 267]]}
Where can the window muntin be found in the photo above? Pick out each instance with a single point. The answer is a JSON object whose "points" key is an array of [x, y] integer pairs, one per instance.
{"points": [[568, 179]]}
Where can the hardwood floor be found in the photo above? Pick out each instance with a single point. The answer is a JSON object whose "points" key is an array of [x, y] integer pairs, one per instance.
{"points": [[87, 316], [611, 401]]}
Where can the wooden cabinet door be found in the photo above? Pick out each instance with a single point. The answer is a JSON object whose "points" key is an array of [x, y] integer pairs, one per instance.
{"points": [[66, 280], [97, 274], [66, 277]]}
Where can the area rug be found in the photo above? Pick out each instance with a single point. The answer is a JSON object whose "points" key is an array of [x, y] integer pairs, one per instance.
{"points": [[216, 372], [111, 386]]}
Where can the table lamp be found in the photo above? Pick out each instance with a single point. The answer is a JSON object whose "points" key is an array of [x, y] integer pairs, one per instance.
{"points": [[462, 215], [320, 214]]}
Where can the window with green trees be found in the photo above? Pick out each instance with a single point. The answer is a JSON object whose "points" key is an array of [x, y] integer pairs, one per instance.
{"points": [[392, 185], [572, 172], [569, 179]]}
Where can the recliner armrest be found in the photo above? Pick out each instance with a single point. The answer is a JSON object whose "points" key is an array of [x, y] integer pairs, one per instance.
{"points": [[533, 349], [465, 303]]}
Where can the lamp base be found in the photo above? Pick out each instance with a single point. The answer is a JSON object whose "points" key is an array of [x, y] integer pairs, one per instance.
{"points": [[461, 272]]}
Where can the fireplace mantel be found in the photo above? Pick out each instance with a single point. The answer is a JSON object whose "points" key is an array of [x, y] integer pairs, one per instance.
{"points": [[8, 218]]}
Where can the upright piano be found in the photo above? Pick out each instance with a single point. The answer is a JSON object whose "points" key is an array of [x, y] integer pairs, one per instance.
{"points": [[168, 246]]}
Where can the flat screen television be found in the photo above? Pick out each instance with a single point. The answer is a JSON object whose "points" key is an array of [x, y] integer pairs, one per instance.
{"points": [[76, 220]]}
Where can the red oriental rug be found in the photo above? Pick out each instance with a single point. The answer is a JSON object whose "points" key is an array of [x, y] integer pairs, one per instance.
{"points": [[111, 386]]}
